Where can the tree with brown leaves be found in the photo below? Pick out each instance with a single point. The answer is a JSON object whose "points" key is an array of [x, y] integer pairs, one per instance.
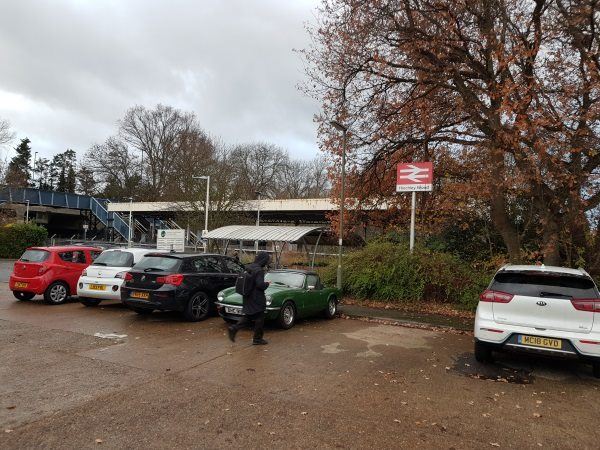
{"points": [[502, 95]]}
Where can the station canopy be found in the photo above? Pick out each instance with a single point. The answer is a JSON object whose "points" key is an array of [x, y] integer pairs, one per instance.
{"points": [[262, 233]]}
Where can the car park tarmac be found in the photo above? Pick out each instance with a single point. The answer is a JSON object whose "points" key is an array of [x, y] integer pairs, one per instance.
{"points": [[75, 377]]}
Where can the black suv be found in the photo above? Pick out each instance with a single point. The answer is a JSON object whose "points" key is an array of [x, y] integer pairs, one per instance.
{"points": [[187, 283]]}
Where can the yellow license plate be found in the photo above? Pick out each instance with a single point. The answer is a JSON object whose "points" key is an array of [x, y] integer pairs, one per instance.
{"points": [[537, 341], [142, 295], [97, 287], [20, 284]]}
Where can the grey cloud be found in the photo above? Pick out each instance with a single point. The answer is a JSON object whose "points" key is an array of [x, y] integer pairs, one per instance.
{"points": [[80, 64]]}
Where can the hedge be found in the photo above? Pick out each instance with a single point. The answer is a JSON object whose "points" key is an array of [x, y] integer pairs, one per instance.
{"points": [[15, 238], [386, 271]]}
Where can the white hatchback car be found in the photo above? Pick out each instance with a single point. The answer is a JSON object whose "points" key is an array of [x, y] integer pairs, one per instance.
{"points": [[102, 280], [540, 309]]}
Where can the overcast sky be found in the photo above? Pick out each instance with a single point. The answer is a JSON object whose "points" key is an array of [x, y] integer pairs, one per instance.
{"points": [[70, 68]]}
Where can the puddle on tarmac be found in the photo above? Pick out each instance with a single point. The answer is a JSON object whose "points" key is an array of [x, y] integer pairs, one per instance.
{"points": [[385, 335], [466, 365], [332, 348], [391, 335]]}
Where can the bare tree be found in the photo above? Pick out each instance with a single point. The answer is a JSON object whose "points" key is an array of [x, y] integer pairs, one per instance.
{"points": [[225, 192], [197, 155], [259, 168], [294, 181], [116, 169], [6, 135], [319, 178], [160, 135]]}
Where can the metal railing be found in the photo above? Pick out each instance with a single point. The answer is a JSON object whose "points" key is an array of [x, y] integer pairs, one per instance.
{"points": [[100, 211], [65, 200], [44, 198]]}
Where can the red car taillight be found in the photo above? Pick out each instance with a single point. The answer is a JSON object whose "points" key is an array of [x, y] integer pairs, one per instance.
{"points": [[587, 304], [128, 276], [175, 279], [495, 296]]}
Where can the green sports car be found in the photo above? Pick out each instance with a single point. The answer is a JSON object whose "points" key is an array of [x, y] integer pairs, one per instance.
{"points": [[292, 294]]}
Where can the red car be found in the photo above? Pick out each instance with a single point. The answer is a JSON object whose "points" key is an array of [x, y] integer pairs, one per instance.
{"points": [[51, 271]]}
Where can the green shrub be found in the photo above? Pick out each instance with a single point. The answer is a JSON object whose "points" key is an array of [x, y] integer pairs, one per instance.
{"points": [[15, 238], [385, 270]]}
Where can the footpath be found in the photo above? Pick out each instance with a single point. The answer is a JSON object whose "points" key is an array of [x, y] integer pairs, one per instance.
{"points": [[405, 318]]}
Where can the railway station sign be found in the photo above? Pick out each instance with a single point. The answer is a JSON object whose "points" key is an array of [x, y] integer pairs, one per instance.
{"points": [[414, 177]]}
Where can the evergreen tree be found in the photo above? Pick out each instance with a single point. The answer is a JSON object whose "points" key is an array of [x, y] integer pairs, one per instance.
{"points": [[86, 183], [17, 174], [42, 174], [70, 158], [63, 173]]}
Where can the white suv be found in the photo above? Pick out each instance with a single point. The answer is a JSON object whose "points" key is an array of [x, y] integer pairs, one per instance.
{"points": [[540, 309], [102, 280]]}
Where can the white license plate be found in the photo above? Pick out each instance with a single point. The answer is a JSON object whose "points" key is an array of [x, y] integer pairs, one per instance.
{"points": [[232, 310]]}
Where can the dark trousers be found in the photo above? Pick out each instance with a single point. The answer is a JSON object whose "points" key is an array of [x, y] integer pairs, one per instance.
{"points": [[246, 321]]}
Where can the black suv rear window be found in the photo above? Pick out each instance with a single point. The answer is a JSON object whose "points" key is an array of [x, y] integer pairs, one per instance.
{"points": [[158, 263], [114, 258], [35, 256], [539, 284]]}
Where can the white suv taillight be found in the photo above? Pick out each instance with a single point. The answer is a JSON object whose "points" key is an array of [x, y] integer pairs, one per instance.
{"points": [[587, 304], [495, 296]]}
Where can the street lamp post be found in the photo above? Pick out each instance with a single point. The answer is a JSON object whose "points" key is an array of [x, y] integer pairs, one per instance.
{"points": [[344, 130], [34, 165], [110, 229], [27, 212], [258, 194], [129, 231], [206, 206]]}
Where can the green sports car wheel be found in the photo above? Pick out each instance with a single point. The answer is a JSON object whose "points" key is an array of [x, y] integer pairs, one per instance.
{"points": [[331, 308], [287, 315]]}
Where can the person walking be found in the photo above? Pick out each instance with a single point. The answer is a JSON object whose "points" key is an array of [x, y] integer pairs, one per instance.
{"points": [[255, 303]]}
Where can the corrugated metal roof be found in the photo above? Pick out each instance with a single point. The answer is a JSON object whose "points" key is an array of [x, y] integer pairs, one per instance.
{"points": [[261, 233]]}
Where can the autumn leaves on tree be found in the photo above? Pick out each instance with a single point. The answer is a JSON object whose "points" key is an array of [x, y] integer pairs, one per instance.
{"points": [[501, 95]]}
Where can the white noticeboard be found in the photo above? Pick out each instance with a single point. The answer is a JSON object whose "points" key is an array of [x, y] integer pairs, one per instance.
{"points": [[170, 240]]}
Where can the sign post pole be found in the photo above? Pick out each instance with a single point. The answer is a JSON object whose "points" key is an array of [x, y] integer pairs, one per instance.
{"points": [[413, 178], [413, 208]]}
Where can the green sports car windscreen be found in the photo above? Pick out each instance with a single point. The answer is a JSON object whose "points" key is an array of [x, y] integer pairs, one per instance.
{"points": [[290, 279]]}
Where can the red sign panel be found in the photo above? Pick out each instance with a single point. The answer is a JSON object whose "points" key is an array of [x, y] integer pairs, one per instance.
{"points": [[414, 177]]}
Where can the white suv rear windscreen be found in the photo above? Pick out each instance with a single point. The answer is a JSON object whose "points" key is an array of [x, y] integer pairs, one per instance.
{"points": [[544, 284]]}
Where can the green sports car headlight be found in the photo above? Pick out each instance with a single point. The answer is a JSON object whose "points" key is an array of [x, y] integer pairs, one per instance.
{"points": [[269, 300]]}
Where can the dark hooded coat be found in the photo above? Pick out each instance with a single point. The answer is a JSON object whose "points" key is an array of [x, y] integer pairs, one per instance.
{"points": [[256, 302]]}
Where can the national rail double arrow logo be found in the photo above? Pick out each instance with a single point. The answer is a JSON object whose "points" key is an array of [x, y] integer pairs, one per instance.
{"points": [[414, 173]]}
